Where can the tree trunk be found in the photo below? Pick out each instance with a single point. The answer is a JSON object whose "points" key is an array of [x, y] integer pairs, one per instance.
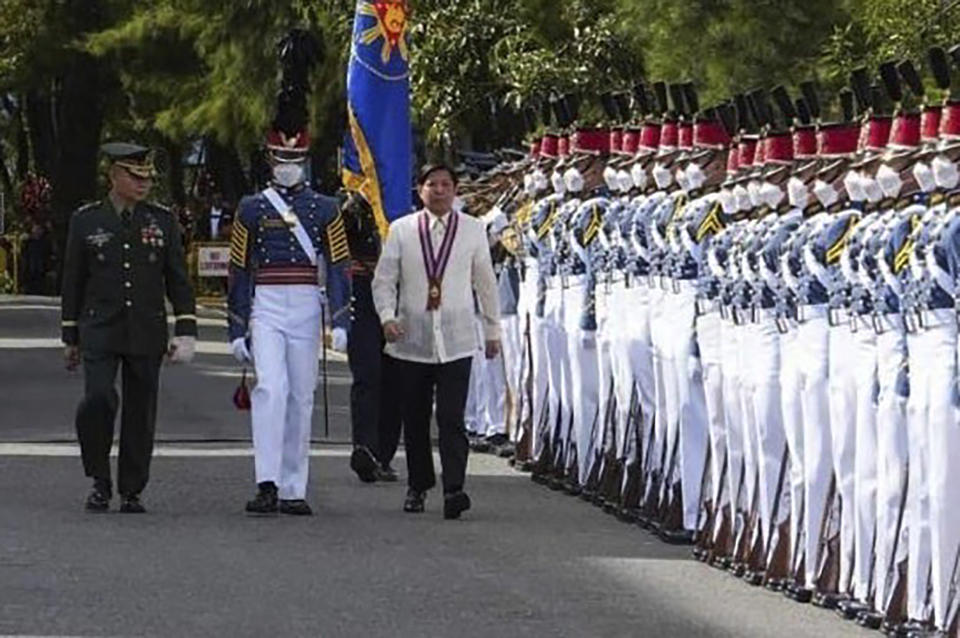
{"points": [[80, 121], [42, 130], [175, 175]]}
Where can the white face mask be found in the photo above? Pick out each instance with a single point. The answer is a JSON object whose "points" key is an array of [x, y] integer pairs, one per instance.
{"points": [[539, 181], [797, 193], [771, 194], [924, 176], [610, 178], [945, 172], [528, 186], [853, 184], [573, 180], [728, 201], [695, 176], [556, 179], [288, 174], [639, 176], [626, 181], [682, 180], [872, 189], [742, 197], [889, 181], [753, 192], [662, 176], [826, 194]]}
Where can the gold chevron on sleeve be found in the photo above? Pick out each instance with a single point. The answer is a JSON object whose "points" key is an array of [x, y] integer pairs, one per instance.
{"points": [[337, 245], [238, 245]]}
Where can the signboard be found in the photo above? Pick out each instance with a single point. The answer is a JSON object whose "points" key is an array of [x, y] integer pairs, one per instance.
{"points": [[213, 261]]}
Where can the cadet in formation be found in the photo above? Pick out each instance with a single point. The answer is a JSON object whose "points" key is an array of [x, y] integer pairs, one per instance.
{"points": [[737, 328]]}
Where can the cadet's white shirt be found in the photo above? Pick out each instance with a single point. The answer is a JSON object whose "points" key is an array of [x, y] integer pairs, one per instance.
{"points": [[400, 290]]}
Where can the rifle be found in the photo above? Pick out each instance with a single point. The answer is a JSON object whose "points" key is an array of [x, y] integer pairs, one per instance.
{"points": [[721, 533], [525, 398], [704, 508], [778, 552], [607, 456], [633, 483], [888, 583], [744, 546], [828, 547], [671, 506]]}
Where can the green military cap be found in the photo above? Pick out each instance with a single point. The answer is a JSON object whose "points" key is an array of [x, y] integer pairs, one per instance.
{"points": [[136, 159]]}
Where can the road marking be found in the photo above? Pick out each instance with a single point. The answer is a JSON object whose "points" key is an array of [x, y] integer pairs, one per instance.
{"points": [[479, 465], [203, 347]]}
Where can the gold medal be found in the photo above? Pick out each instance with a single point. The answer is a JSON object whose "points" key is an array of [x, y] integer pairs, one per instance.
{"points": [[433, 295]]}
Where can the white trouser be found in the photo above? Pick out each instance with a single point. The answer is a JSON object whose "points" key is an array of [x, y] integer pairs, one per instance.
{"points": [[791, 387], [513, 360], [582, 390], [495, 395], [667, 377], [892, 454], [866, 533], [843, 429], [533, 373], [605, 435], [764, 358], [711, 355], [658, 451], [637, 356], [813, 340], [922, 365], [732, 416], [751, 441], [691, 403], [285, 341], [474, 417], [558, 364], [943, 433]]}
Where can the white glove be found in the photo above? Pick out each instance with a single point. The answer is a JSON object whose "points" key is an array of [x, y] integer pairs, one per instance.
{"points": [[182, 349], [239, 349], [338, 339]]}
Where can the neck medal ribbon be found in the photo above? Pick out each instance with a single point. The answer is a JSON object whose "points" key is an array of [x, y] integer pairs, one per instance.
{"points": [[436, 263]]}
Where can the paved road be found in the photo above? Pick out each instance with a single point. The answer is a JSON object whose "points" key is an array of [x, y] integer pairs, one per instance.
{"points": [[524, 562]]}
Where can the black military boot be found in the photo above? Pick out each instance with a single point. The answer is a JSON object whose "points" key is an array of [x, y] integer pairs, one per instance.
{"points": [[99, 498], [265, 502], [130, 504], [365, 464], [295, 507], [455, 504], [414, 503]]}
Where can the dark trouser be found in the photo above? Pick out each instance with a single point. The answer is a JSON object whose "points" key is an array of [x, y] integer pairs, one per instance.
{"points": [[451, 382], [374, 396], [98, 410]]}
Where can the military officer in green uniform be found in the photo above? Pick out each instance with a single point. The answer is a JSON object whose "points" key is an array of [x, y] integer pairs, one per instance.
{"points": [[123, 257]]}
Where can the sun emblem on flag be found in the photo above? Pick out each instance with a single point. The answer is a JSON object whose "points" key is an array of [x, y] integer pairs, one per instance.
{"points": [[391, 26]]}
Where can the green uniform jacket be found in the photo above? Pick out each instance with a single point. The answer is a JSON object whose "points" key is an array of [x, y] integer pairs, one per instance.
{"points": [[115, 278]]}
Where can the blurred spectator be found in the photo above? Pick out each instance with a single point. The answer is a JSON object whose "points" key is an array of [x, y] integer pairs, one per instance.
{"points": [[36, 260]]}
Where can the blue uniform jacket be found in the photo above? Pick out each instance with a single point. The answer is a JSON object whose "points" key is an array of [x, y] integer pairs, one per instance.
{"points": [[261, 239]]}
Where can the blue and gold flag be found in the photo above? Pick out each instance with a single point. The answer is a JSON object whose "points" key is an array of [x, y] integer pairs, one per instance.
{"points": [[377, 150]]}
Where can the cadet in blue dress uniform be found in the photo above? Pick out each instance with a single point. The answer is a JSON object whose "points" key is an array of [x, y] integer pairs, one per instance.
{"points": [[287, 255]]}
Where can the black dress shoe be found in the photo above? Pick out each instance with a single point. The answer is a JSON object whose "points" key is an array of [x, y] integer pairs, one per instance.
{"points": [[497, 440], [414, 502], [265, 502], [802, 595], [870, 619], [130, 504], [387, 474], [99, 498], [507, 451], [677, 537], [364, 463], [295, 507], [455, 504], [909, 628], [774, 585], [828, 600], [851, 609]]}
